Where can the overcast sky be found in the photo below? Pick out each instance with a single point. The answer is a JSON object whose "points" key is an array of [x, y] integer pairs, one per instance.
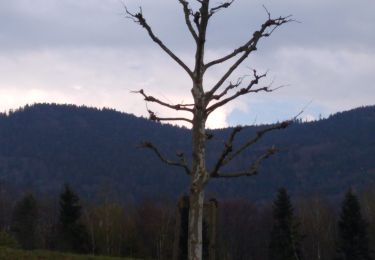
{"points": [[87, 53]]}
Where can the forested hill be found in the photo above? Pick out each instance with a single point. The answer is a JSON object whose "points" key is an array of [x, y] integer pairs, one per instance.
{"points": [[45, 145]]}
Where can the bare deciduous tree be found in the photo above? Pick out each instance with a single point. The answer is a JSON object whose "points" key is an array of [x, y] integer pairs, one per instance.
{"points": [[207, 100]]}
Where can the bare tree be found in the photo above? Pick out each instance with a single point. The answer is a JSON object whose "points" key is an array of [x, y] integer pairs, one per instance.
{"points": [[207, 100]]}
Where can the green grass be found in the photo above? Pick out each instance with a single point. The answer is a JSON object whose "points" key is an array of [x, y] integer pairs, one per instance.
{"points": [[17, 254]]}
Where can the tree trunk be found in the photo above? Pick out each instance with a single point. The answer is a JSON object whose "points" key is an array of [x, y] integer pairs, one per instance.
{"points": [[199, 176], [195, 225]]}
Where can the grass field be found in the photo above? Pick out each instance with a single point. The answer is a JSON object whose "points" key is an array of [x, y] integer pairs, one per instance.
{"points": [[16, 254]]}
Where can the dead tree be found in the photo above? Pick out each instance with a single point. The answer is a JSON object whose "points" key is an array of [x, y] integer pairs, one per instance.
{"points": [[206, 100]]}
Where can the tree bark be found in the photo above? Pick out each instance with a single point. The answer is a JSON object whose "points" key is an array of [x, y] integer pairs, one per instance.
{"points": [[197, 22], [199, 174], [195, 225]]}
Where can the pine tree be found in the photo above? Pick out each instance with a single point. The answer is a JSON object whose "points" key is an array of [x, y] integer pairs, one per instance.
{"points": [[24, 222], [353, 242], [285, 238], [73, 234]]}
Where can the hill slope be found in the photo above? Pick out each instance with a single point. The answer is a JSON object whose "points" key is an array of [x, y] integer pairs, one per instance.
{"points": [[44, 145]]}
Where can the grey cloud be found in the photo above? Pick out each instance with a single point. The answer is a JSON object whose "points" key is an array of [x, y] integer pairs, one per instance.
{"points": [[323, 23], [42, 24], [90, 45], [63, 24]]}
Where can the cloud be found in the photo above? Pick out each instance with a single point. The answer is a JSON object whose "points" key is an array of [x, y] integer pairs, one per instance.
{"points": [[14, 98], [95, 77], [87, 52], [338, 79], [97, 23]]}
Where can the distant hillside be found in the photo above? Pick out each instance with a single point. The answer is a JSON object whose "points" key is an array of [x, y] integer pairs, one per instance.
{"points": [[44, 145]]}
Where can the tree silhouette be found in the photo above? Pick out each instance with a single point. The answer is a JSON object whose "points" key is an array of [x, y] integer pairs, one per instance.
{"points": [[25, 221], [205, 101], [73, 236], [353, 242], [285, 237]]}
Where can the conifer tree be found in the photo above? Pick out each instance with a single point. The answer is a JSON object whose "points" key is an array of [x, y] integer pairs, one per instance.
{"points": [[73, 234], [285, 237], [24, 222], [353, 242]]}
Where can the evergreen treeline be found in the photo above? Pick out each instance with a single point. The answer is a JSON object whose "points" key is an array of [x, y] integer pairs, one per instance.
{"points": [[285, 240], [308, 229], [45, 145]]}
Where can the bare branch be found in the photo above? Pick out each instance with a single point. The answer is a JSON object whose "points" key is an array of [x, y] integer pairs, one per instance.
{"points": [[230, 86], [302, 110], [253, 170], [237, 51], [227, 150], [268, 13], [182, 163], [147, 98], [257, 137], [243, 91], [188, 12], [265, 31], [159, 119], [201, 18], [138, 18], [197, 17], [221, 6], [154, 117]]}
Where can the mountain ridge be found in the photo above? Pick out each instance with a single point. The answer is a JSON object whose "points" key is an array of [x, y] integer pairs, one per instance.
{"points": [[44, 145]]}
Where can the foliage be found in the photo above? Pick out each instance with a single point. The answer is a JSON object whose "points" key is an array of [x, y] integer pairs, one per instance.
{"points": [[353, 240], [285, 237], [7, 240], [368, 206], [73, 234], [318, 222], [25, 221], [111, 229], [244, 230], [145, 230]]}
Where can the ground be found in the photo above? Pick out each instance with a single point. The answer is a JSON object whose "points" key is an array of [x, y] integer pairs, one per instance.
{"points": [[16, 254]]}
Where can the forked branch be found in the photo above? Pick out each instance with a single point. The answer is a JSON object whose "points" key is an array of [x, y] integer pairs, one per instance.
{"points": [[221, 6], [228, 153], [139, 18], [229, 87], [188, 12], [258, 136], [227, 150], [243, 91], [154, 117], [181, 163], [253, 169], [148, 98], [266, 30]]}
